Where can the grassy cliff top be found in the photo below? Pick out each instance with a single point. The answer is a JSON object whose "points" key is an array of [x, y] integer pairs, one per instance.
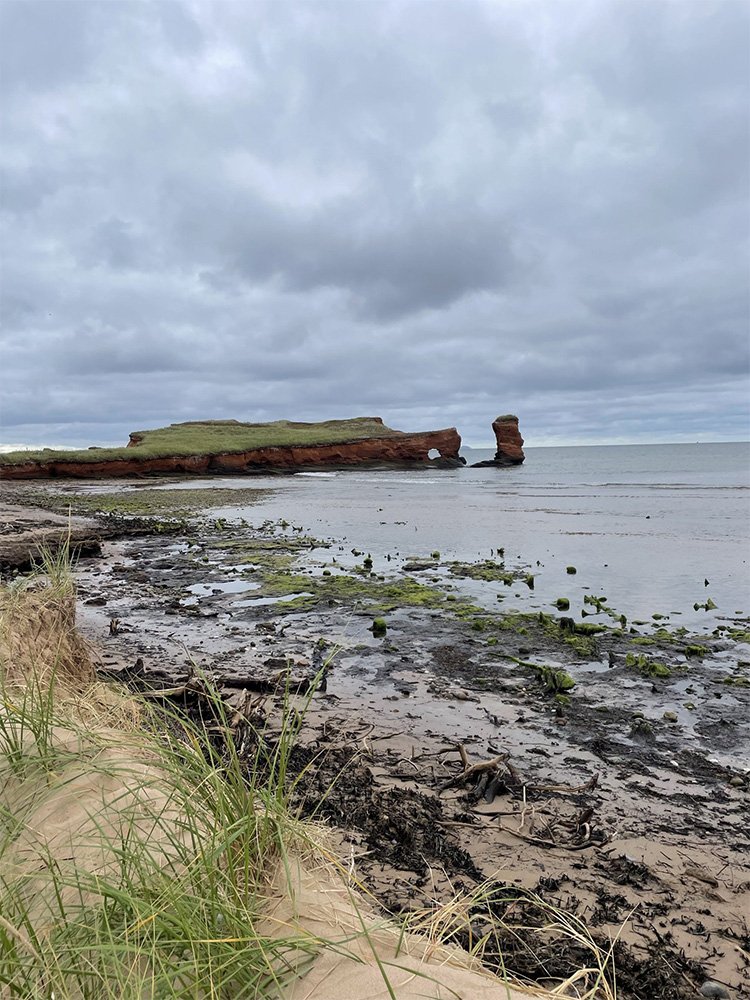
{"points": [[213, 437]]}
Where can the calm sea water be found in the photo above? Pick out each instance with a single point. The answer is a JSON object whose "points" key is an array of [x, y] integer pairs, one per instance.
{"points": [[644, 525]]}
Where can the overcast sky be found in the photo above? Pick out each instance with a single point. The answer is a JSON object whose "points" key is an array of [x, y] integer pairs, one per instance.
{"points": [[431, 211]]}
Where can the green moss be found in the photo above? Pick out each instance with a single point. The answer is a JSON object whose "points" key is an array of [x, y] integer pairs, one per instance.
{"points": [[642, 640], [571, 570], [435, 555], [699, 651], [562, 603], [737, 680]]}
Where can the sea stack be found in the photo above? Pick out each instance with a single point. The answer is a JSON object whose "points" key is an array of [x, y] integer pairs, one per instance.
{"points": [[509, 443]]}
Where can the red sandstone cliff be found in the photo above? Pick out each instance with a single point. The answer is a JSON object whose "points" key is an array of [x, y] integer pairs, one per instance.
{"points": [[399, 449], [509, 440]]}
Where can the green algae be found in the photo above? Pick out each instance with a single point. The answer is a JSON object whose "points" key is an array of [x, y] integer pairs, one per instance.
{"points": [[647, 667], [379, 628], [584, 646], [146, 502], [554, 679], [587, 628], [737, 680], [487, 570], [706, 606], [378, 595]]}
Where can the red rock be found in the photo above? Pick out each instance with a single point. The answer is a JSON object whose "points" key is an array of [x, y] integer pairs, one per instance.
{"points": [[509, 440], [397, 449]]}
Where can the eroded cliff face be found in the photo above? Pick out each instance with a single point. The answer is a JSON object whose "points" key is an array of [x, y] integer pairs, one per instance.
{"points": [[509, 440], [399, 450], [509, 444]]}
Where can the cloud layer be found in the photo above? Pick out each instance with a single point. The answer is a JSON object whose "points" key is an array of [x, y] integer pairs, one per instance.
{"points": [[430, 211]]}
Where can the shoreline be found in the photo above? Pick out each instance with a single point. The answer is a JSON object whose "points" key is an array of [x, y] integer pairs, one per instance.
{"points": [[667, 829]]}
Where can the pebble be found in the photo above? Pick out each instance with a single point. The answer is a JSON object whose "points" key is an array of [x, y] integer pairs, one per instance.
{"points": [[670, 717], [714, 990], [736, 781]]}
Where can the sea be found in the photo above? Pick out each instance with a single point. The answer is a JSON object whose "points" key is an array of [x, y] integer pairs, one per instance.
{"points": [[658, 531]]}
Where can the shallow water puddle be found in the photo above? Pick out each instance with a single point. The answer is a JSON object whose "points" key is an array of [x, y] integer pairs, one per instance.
{"points": [[225, 587], [257, 602]]}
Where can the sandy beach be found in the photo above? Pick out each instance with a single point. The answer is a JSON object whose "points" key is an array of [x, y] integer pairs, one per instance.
{"points": [[450, 750]]}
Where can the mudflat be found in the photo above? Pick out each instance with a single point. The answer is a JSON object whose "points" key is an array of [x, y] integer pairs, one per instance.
{"points": [[597, 768]]}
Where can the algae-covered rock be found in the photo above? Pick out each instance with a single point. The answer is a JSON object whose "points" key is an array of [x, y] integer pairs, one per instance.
{"points": [[379, 628]]}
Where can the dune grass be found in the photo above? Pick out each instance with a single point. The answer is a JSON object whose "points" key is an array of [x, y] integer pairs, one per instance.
{"points": [[213, 437], [143, 854], [135, 850]]}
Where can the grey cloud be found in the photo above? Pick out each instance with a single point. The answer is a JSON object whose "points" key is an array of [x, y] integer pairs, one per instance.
{"points": [[266, 210]]}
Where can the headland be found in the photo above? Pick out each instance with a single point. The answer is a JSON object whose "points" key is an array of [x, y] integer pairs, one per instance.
{"points": [[229, 447]]}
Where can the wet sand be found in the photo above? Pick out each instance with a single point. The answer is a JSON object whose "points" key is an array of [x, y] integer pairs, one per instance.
{"points": [[623, 800]]}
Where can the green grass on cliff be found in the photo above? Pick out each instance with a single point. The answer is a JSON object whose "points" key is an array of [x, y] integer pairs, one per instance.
{"points": [[213, 437]]}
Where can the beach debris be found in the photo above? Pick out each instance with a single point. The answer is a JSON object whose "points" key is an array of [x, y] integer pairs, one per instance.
{"points": [[534, 818]]}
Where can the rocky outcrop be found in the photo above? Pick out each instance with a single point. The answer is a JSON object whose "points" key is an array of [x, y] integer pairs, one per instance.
{"points": [[32, 531], [399, 449], [509, 443]]}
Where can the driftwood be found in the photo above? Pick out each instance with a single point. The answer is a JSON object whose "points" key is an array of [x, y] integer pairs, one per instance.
{"points": [[471, 771], [498, 774]]}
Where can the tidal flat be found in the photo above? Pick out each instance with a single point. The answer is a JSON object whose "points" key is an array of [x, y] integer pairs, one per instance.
{"points": [[599, 762]]}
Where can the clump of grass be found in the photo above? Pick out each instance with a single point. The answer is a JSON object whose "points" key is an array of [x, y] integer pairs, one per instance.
{"points": [[133, 860], [493, 922]]}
